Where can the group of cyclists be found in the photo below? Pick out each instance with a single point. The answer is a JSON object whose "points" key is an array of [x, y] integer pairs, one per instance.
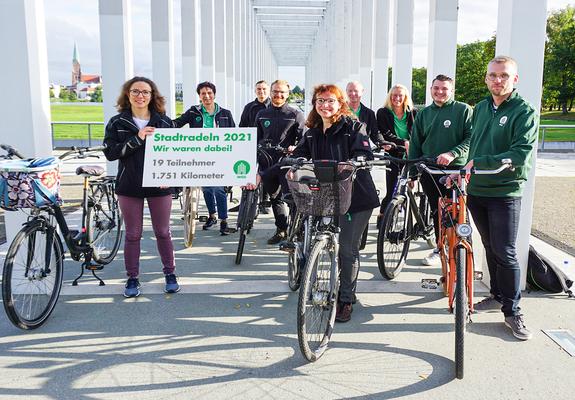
{"points": [[340, 127]]}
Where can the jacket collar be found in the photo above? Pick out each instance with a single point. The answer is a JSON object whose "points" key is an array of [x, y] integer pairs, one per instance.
{"points": [[446, 104], [511, 97]]}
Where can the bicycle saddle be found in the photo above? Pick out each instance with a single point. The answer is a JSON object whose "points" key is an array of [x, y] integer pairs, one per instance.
{"points": [[89, 170]]}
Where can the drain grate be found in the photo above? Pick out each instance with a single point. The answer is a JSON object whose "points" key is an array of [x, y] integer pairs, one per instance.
{"points": [[564, 338]]}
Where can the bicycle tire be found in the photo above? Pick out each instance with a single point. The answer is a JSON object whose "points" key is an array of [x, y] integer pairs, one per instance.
{"points": [[317, 295], [461, 307], [295, 256], [104, 225], [427, 216], [393, 238], [27, 255], [190, 211], [241, 244]]}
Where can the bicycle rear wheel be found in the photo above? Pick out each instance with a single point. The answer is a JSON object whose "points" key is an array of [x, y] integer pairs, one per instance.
{"points": [[32, 276], [427, 216], [393, 238], [190, 211], [246, 215], [461, 310], [317, 300], [104, 224], [241, 244]]}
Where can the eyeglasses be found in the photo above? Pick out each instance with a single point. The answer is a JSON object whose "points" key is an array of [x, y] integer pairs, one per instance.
{"points": [[321, 101], [502, 77], [279, 92], [136, 93]]}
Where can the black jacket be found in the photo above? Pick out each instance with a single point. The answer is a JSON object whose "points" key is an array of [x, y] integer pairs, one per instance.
{"points": [[194, 117], [367, 116], [345, 140], [280, 126], [123, 144], [386, 126], [248, 118]]}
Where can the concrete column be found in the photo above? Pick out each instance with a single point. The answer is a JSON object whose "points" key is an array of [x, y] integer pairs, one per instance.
{"points": [[190, 51], [246, 50], [220, 28], [381, 62], [355, 40], [238, 87], [207, 60], [230, 58], [366, 62], [116, 50], [403, 43], [162, 12], [25, 79], [521, 35], [442, 41], [347, 31]]}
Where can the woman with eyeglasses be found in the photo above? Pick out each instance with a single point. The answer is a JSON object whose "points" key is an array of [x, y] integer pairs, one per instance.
{"points": [[141, 109], [395, 122], [334, 135]]}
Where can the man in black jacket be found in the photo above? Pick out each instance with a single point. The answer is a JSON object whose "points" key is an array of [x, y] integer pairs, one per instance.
{"points": [[261, 102], [354, 91], [209, 114], [283, 125]]}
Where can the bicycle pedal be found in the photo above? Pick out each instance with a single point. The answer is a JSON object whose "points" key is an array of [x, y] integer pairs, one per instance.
{"points": [[429, 284], [94, 267], [478, 275], [203, 218], [287, 246]]}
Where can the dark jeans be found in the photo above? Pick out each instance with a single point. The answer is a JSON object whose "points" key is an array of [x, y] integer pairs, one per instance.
{"points": [[497, 220], [133, 213], [272, 185], [352, 227], [433, 190], [216, 195]]}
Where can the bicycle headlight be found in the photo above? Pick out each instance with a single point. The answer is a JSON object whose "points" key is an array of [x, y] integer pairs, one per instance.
{"points": [[463, 230]]}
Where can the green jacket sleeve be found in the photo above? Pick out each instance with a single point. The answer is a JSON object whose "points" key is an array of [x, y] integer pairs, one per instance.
{"points": [[524, 135], [462, 148]]}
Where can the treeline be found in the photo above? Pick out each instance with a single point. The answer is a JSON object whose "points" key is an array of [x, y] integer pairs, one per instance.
{"points": [[559, 67]]}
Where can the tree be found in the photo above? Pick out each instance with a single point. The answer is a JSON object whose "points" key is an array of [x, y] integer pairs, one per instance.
{"points": [[296, 90], [72, 96], [97, 95], [64, 94], [559, 77], [472, 59], [418, 85]]}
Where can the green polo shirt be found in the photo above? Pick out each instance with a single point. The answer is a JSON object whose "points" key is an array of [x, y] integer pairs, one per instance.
{"points": [[356, 112], [208, 119], [400, 126]]}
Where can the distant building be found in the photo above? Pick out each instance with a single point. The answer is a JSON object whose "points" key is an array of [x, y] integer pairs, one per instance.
{"points": [[83, 84]]}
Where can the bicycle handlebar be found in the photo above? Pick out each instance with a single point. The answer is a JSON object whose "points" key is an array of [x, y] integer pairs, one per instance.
{"points": [[357, 163], [81, 151], [11, 151], [505, 164]]}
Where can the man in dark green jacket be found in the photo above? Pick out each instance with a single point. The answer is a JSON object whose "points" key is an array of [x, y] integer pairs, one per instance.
{"points": [[504, 127], [441, 130]]}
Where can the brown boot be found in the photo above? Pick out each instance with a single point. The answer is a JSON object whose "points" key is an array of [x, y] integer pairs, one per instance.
{"points": [[343, 312]]}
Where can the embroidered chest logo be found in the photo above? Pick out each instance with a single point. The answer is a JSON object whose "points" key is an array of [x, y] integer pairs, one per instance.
{"points": [[198, 118], [267, 123], [447, 123], [503, 120]]}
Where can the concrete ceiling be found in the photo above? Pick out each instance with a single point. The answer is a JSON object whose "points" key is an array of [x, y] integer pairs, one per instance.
{"points": [[291, 27]]}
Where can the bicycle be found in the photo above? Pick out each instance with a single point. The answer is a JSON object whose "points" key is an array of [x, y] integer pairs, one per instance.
{"points": [[321, 189], [407, 217], [189, 200], [33, 268], [456, 253], [250, 200]]}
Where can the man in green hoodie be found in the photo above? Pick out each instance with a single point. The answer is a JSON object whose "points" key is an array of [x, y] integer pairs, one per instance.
{"points": [[504, 126], [442, 131]]}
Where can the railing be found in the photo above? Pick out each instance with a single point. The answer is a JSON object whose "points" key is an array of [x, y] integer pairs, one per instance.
{"points": [[569, 145], [78, 139]]}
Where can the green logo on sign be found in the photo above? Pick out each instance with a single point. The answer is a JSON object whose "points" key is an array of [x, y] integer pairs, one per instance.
{"points": [[198, 118], [267, 123], [242, 168]]}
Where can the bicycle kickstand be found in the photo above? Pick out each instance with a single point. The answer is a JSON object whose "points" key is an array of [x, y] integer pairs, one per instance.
{"points": [[93, 268]]}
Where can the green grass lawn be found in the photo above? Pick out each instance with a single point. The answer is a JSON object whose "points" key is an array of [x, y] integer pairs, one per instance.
{"points": [[95, 113]]}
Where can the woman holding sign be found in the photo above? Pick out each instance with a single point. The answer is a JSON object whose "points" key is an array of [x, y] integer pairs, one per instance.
{"points": [[141, 109]]}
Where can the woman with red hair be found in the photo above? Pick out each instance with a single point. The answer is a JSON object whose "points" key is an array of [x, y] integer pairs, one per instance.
{"points": [[334, 135]]}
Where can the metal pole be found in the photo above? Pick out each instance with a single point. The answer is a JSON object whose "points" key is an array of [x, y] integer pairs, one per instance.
{"points": [[89, 135]]}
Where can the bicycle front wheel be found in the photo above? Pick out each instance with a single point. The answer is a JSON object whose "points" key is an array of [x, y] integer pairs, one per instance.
{"points": [[241, 244], [32, 276], [317, 300], [461, 309], [190, 211], [393, 238], [104, 225]]}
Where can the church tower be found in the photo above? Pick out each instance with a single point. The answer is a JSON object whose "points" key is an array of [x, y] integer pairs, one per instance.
{"points": [[76, 71]]}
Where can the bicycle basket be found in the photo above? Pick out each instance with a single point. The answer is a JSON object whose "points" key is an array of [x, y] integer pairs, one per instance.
{"points": [[318, 198], [29, 183]]}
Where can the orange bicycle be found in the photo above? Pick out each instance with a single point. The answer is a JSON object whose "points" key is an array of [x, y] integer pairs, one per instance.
{"points": [[456, 252]]}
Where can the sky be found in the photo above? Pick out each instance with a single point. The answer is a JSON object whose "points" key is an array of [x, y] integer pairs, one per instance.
{"points": [[70, 21]]}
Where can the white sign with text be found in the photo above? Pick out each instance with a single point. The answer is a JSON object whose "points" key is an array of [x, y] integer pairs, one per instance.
{"points": [[200, 157]]}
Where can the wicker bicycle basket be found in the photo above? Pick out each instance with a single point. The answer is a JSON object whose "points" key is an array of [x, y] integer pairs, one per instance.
{"points": [[318, 198], [29, 183]]}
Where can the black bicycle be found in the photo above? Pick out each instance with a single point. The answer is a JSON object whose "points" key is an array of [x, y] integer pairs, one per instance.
{"points": [[321, 189], [407, 217], [33, 269]]}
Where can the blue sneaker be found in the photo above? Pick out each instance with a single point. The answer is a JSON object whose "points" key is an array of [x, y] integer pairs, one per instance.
{"points": [[171, 284], [132, 288], [209, 223]]}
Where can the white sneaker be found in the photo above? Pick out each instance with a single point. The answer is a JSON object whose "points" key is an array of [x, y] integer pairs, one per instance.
{"points": [[432, 259]]}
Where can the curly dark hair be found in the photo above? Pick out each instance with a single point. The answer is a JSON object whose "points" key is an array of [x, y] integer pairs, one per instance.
{"points": [[206, 84], [314, 119], [157, 101]]}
